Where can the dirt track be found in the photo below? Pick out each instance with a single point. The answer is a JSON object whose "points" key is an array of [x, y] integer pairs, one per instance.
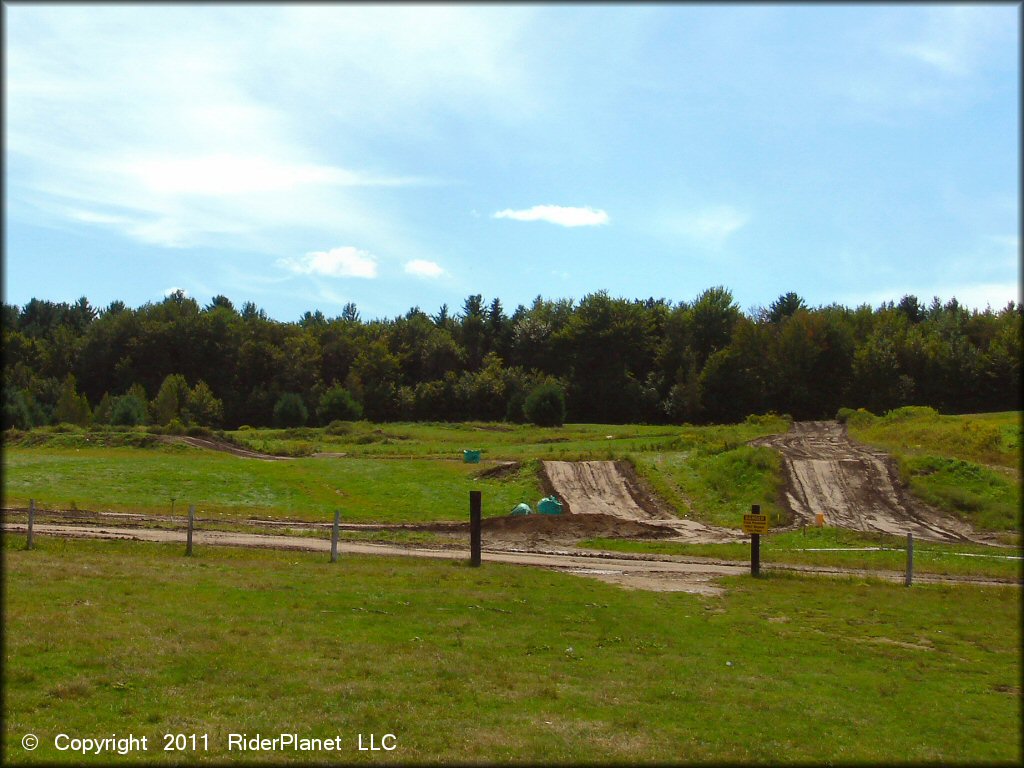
{"points": [[612, 490], [651, 572], [854, 486]]}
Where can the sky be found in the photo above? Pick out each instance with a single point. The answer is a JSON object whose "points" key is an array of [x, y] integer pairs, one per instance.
{"points": [[398, 156]]}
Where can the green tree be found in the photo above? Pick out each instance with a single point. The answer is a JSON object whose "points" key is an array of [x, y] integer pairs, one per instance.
{"points": [[337, 404], [171, 400], [290, 411], [71, 407], [545, 406], [202, 407]]}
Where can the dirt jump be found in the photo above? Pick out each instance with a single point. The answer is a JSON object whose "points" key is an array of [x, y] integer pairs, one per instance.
{"points": [[611, 490], [854, 486]]}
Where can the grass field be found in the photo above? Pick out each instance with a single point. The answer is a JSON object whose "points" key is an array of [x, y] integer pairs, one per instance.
{"points": [[364, 489], [499, 663]]}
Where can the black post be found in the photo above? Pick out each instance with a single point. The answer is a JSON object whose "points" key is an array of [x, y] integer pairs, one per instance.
{"points": [[755, 545], [334, 536], [910, 560], [31, 521], [191, 522], [474, 528]]}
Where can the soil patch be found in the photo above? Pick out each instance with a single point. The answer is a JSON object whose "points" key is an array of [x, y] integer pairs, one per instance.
{"points": [[220, 445]]}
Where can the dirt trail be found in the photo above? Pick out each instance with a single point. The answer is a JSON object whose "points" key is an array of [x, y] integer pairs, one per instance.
{"points": [[221, 445], [634, 571], [611, 489], [854, 486]]}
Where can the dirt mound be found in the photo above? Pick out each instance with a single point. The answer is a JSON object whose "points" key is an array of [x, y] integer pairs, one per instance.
{"points": [[612, 490], [500, 471], [853, 486], [572, 526]]}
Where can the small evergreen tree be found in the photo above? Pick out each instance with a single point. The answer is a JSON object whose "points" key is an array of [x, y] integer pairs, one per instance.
{"points": [[171, 399], [337, 404], [202, 407], [71, 408], [290, 411], [128, 410], [545, 406], [16, 410]]}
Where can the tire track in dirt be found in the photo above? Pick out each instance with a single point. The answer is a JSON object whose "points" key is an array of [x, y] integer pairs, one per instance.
{"points": [[854, 486], [611, 489]]}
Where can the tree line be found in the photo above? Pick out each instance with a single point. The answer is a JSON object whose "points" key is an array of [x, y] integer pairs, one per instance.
{"points": [[600, 359]]}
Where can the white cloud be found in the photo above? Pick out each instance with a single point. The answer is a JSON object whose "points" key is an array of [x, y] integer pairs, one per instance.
{"points": [[174, 289], [955, 37], [565, 216], [423, 268], [172, 125], [709, 227], [346, 261]]}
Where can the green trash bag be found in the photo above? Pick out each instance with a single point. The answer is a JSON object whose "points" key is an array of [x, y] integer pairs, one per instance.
{"points": [[521, 509], [549, 505], [471, 457]]}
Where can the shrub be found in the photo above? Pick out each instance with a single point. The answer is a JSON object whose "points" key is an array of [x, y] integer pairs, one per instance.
{"points": [[545, 406], [197, 430], [338, 428], [16, 411], [128, 410], [290, 411], [174, 427], [244, 428], [337, 404]]}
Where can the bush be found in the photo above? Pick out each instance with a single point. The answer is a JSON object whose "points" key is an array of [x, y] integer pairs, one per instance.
{"points": [[545, 406], [174, 427], [290, 411], [127, 410], [908, 412], [16, 411], [337, 404], [197, 430], [338, 428], [244, 428]]}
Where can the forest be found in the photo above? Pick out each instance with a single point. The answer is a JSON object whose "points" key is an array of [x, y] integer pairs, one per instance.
{"points": [[596, 360]]}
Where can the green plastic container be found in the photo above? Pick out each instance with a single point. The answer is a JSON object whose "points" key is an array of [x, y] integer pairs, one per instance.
{"points": [[471, 457], [549, 505], [521, 509]]}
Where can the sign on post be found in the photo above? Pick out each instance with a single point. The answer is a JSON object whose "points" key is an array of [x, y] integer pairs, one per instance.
{"points": [[755, 522]]}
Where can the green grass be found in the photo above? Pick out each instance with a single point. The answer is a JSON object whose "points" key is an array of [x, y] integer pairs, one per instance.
{"points": [[797, 548], [717, 486], [365, 490], [966, 465], [499, 664]]}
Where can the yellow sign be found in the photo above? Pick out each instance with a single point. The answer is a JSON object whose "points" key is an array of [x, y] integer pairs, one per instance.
{"points": [[755, 523]]}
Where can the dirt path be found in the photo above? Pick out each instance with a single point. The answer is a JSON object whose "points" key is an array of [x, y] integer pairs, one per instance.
{"points": [[651, 572], [611, 489], [854, 486], [221, 445]]}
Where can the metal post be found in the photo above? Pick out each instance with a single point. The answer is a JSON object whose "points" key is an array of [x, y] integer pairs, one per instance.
{"points": [[334, 536], [755, 554], [31, 521], [910, 559], [474, 528], [191, 523]]}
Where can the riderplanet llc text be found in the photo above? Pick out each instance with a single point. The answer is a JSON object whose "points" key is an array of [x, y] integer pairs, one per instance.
{"points": [[202, 742]]}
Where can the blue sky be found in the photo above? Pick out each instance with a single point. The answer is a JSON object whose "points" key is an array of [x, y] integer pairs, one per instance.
{"points": [[302, 157]]}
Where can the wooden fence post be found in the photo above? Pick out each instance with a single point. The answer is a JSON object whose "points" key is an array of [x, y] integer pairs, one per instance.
{"points": [[910, 559], [334, 536], [474, 528], [31, 521], [191, 523]]}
